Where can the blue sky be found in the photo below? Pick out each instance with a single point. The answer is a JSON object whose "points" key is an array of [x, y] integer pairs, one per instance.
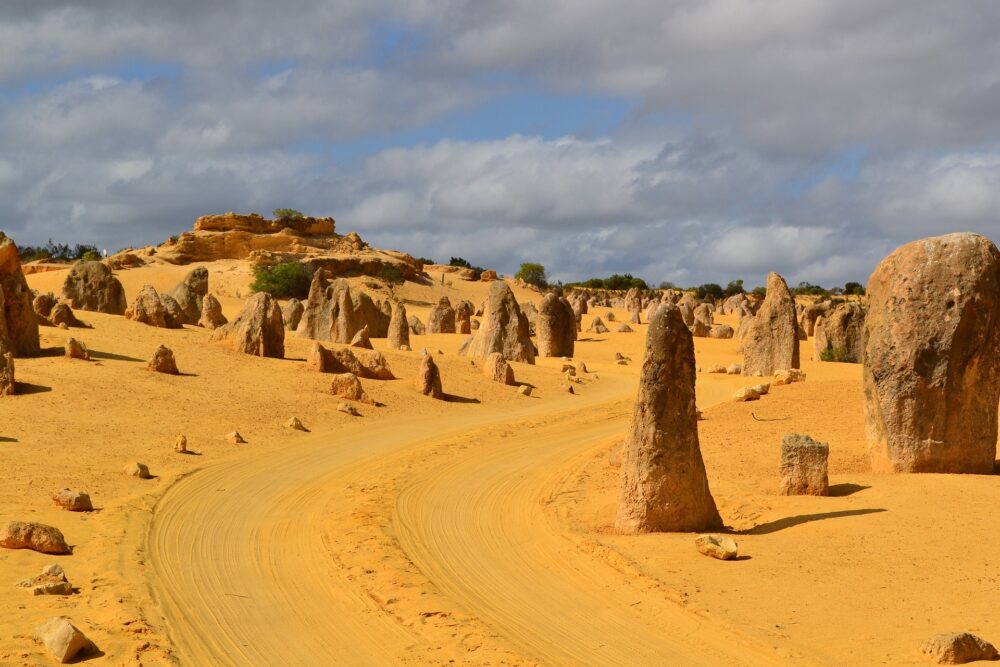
{"points": [[678, 141]]}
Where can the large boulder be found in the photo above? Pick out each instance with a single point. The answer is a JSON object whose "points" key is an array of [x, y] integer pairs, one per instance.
{"points": [[211, 313], [505, 329], [428, 380], [555, 327], [292, 314], [34, 536], [770, 342], [496, 368], [958, 648], [18, 322], [334, 313], [174, 314], [399, 328], [258, 329], [189, 293], [839, 335], [147, 308], [804, 466], [92, 286], [932, 357], [416, 326], [664, 486], [441, 319], [63, 640]]}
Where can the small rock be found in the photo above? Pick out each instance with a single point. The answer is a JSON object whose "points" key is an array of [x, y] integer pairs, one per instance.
{"points": [[76, 350], [296, 424], [624, 328], [788, 376], [734, 369], [762, 388], [581, 367], [34, 536], [958, 648], [73, 501], [568, 369], [524, 390], [568, 388], [163, 361], [349, 409], [745, 394], [717, 546], [234, 438], [52, 581], [622, 362], [347, 385], [181, 444], [140, 470], [63, 640], [717, 368]]}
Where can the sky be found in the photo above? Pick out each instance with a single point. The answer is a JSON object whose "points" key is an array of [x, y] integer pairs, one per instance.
{"points": [[688, 141]]}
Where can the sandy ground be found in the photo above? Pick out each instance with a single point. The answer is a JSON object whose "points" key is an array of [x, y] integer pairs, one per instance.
{"points": [[473, 531]]}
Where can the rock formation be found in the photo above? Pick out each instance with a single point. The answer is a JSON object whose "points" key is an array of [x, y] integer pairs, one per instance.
{"points": [[463, 317], [92, 286], [839, 334], [362, 340], [416, 326], [399, 328], [505, 329], [73, 501], [441, 319], [804, 466], [75, 349], [34, 536], [173, 313], [958, 648], [52, 581], [163, 361], [190, 292], [292, 314], [597, 326], [555, 327], [770, 342], [663, 482], [8, 386], [63, 640], [147, 308], [258, 329], [18, 323], [211, 313], [428, 380], [932, 357], [347, 385], [496, 368], [334, 313]]}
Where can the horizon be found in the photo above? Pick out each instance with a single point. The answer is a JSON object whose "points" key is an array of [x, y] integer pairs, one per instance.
{"points": [[675, 142]]}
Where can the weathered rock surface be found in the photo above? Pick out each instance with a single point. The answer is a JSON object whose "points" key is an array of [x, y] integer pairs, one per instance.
{"points": [[63, 639], [721, 331], [173, 313], [428, 380], [555, 327], [163, 361], [147, 308], [839, 335], [771, 340], [597, 326], [73, 501], [804, 466], [932, 357], [52, 581], [463, 317], [92, 286], [136, 469], [496, 368], [663, 482], [958, 648], [292, 314], [399, 328], [788, 376], [441, 319], [34, 536], [334, 313], [190, 292], [257, 330], [75, 349], [18, 322], [62, 314], [362, 340], [505, 329], [416, 326], [717, 546], [211, 313], [8, 386], [347, 385]]}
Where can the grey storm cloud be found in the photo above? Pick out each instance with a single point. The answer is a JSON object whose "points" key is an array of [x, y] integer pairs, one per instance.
{"points": [[728, 165]]}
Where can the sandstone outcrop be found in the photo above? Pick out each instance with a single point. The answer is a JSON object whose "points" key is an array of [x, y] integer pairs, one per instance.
{"points": [[441, 318], [496, 368], [932, 357], [362, 340], [147, 308], [597, 326], [505, 329], [163, 361], [257, 330], [34, 536], [416, 326], [399, 328], [958, 648], [334, 313], [839, 334], [555, 327], [18, 322], [428, 380], [190, 292], [804, 466], [664, 486], [173, 313], [92, 286], [292, 314], [771, 340], [8, 386], [211, 313]]}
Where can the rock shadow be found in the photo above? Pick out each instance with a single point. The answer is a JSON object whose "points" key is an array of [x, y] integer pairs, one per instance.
{"points": [[454, 398], [4, 438], [111, 356], [27, 388], [846, 489], [792, 521]]}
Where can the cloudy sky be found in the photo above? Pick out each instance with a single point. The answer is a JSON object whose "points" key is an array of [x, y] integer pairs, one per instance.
{"points": [[682, 140]]}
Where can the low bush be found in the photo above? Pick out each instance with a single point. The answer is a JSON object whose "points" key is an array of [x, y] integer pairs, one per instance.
{"points": [[282, 281]]}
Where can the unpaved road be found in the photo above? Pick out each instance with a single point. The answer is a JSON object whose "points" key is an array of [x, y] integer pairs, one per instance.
{"points": [[246, 570]]}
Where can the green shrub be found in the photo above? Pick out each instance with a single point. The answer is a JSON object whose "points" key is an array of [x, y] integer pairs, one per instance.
{"points": [[424, 260], [391, 274], [533, 274], [282, 281], [856, 289], [833, 354], [90, 256], [613, 282], [287, 214]]}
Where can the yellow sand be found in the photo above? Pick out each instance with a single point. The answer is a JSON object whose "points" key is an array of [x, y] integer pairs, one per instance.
{"points": [[474, 531]]}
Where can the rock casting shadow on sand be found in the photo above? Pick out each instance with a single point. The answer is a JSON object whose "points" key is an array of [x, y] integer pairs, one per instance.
{"points": [[452, 398], [847, 489], [4, 438], [26, 388], [791, 521], [95, 354]]}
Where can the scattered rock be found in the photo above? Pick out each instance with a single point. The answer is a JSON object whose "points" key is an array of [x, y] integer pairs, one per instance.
{"points": [[958, 649], [723, 331], [597, 326], [76, 350], [788, 376], [746, 394], [624, 328], [362, 340], [92, 286], [428, 380], [734, 369], [763, 388], [73, 501], [932, 357], [568, 388], [717, 546], [163, 361], [416, 326], [663, 482], [35, 536], [234, 438], [717, 368], [581, 367], [62, 316], [257, 330], [211, 313], [348, 409], [804, 466], [181, 444], [296, 424], [140, 470], [347, 385], [52, 581], [524, 390], [63, 639], [496, 368]]}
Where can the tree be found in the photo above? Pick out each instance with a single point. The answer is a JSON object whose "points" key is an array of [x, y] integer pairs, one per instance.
{"points": [[853, 288], [709, 290], [282, 281], [733, 288], [287, 214], [533, 274], [459, 261]]}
